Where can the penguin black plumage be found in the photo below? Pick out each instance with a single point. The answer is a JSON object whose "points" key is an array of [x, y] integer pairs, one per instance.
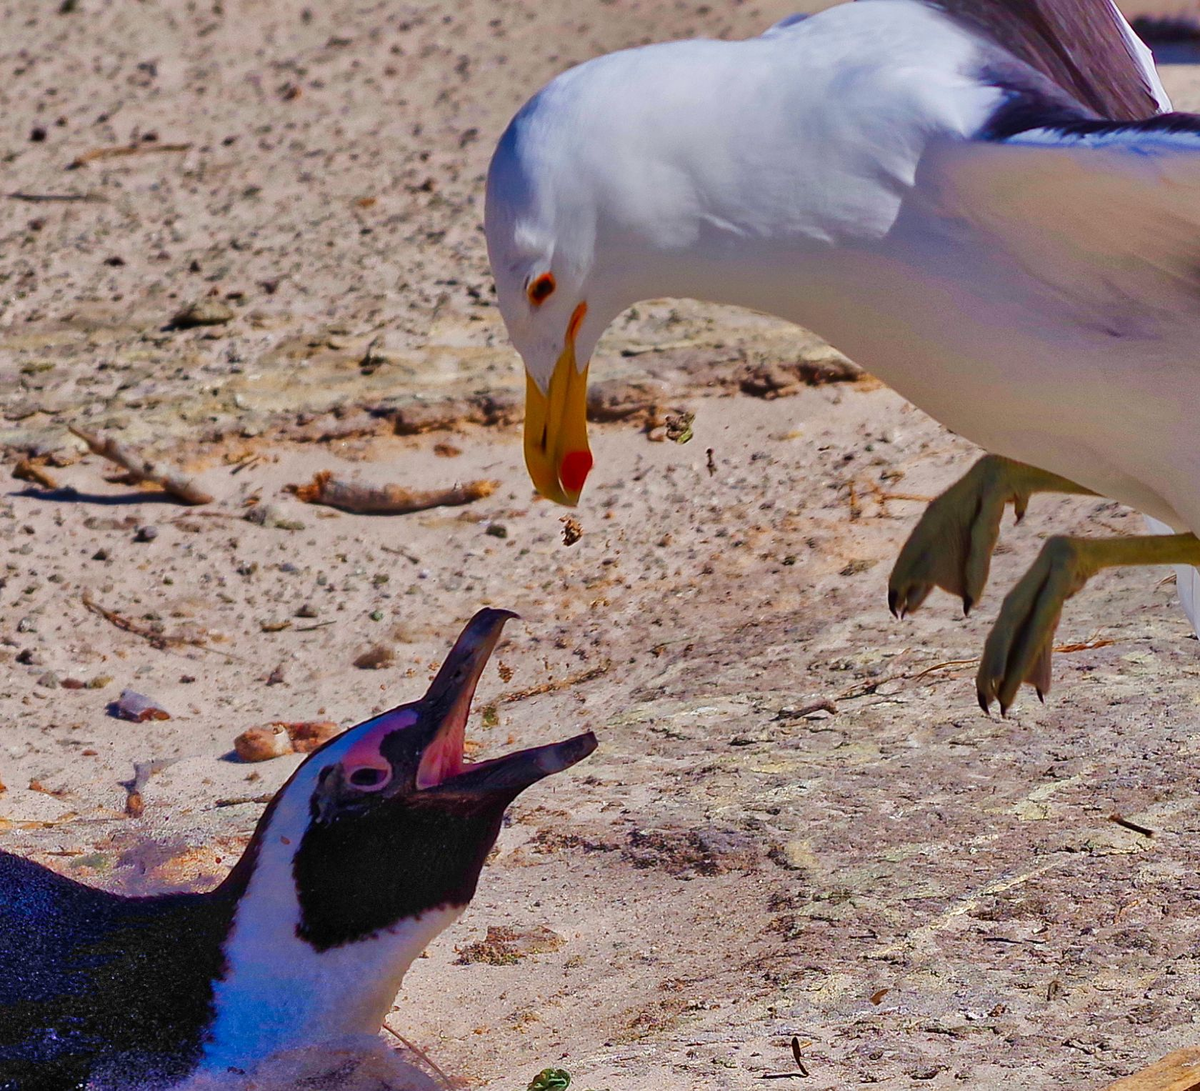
{"points": [[373, 846]]}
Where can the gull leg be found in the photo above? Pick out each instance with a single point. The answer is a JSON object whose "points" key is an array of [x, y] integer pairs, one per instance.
{"points": [[1019, 645], [951, 547]]}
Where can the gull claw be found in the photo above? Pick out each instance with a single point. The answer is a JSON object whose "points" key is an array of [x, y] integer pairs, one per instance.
{"points": [[951, 546], [1019, 647]]}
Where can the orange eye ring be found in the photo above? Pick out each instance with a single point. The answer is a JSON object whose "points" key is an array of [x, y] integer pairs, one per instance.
{"points": [[541, 288]]}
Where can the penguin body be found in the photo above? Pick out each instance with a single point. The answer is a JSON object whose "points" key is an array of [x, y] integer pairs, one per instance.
{"points": [[373, 847]]}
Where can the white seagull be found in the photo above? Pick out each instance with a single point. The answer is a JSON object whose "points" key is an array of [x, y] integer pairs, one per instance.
{"points": [[986, 203]]}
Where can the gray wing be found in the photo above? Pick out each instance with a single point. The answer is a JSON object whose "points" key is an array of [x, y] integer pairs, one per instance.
{"points": [[1085, 47]]}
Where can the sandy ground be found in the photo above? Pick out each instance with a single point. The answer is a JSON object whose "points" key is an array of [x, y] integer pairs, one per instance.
{"points": [[922, 895]]}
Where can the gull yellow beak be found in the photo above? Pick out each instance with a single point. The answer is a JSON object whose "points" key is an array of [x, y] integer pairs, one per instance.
{"points": [[556, 444]]}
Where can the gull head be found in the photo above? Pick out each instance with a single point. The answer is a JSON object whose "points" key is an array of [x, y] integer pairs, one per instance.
{"points": [[541, 261], [569, 220]]}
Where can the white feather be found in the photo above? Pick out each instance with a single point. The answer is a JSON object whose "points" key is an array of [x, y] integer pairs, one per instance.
{"points": [[1187, 578]]}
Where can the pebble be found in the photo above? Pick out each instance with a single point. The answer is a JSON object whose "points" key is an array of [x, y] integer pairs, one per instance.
{"points": [[49, 680], [307, 610], [203, 312], [146, 534], [278, 739], [137, 707], [262, 743], [269, 515], [376, 657]]}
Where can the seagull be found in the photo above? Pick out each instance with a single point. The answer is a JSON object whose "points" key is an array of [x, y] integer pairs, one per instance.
{"points": [[989, 204]]}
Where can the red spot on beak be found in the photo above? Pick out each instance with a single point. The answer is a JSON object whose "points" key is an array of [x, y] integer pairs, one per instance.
{"points": [[573, 471]]}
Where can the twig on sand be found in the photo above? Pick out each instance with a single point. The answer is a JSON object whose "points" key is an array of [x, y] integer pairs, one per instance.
{"points": [[39, 198], [564, 683], [122, 150], [1059, 649], [1136, 827], [27, 470], [360, 499], [157, 638], [412, 1047], [176, 484], [824, 704], [400, 551]]}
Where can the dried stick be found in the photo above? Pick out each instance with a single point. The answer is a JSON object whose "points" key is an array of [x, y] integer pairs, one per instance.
{"points": [[40, 197], [551, 687], [412, 1047], [124, 149], [157, 639], [176, 484], [360, 499], [27, 470]]}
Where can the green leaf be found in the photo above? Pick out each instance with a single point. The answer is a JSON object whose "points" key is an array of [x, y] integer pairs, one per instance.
{"points": [[551, 1079]]}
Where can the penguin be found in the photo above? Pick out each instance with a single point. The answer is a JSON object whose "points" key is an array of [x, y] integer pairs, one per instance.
{"points": [[373, 846]]}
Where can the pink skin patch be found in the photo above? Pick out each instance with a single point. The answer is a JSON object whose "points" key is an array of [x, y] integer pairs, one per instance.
{"points": [[443, 758], [364, 765], [573, 470]]}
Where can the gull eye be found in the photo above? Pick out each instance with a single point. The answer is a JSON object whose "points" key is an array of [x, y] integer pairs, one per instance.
{"points": [[541, 289]]}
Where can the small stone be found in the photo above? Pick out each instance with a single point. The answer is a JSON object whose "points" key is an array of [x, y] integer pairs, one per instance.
{"points": [[497, 530], [137, 707], [100, 681], [203, 312], [269, 515], [307, 610], [376, 657], [27, 625], [30, 657], [146, 534], [572, 530], [277, 739], [73, 683], [307, 735], [376, 615], [263, 743], [100, 555], [49, 680]]}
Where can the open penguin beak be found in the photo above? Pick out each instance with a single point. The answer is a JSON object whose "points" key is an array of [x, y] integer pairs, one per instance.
{"points": [[431, 734], [556, 443]]}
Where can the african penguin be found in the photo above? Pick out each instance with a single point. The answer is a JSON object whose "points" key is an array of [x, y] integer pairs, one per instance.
{"points": [[372, 847]]}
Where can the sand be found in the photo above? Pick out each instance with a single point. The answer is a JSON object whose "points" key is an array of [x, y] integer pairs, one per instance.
{"points": [[920, 894]]}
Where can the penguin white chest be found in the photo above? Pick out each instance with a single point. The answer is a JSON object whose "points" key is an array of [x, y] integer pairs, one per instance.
{"points": [[279, 993]]}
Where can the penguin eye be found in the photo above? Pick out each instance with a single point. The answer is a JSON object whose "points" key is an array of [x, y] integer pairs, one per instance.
{"points": [[541, 289], [369, 777]]}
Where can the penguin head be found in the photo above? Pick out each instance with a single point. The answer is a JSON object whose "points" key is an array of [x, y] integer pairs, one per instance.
{"points": [[387, 822]]}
